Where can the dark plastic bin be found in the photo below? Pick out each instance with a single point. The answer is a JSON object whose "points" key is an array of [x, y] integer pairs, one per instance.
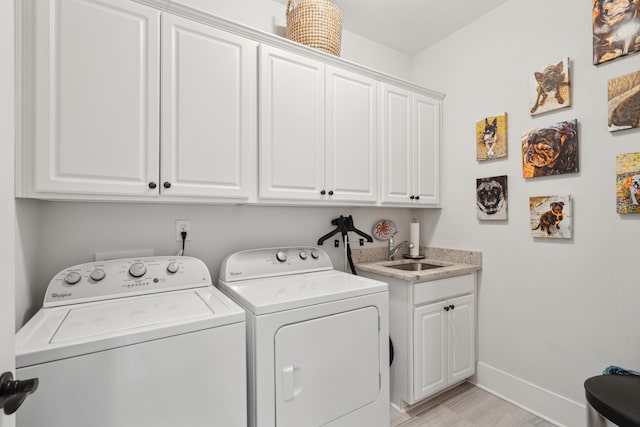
{"points": [[615, 397]]}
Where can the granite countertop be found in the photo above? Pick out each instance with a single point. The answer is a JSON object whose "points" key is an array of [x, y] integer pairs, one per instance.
{"points": [[454, 262]]}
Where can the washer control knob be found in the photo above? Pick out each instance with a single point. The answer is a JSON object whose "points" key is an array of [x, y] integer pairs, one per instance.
{"points": [[303, 255], [173, 267], [137, 269], [281, 256], [72, 278], [97, 274], [315, 255]]}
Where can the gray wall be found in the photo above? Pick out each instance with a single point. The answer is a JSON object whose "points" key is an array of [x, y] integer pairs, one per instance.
{"points": [[56, 235], [551, 312], [7, 203]]}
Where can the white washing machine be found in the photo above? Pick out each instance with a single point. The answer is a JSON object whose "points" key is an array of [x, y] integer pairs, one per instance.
{"points": [[317, 339], [143, 342]]}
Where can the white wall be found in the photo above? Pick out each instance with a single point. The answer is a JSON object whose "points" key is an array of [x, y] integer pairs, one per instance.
{"points": [[270, 16], [7, 204], [551, 313], [56, 235]]}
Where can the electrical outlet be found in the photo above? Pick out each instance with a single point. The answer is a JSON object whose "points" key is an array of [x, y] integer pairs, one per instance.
{"points": [[183, 225]]}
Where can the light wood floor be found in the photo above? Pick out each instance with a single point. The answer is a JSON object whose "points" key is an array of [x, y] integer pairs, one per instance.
{"points": [[467, 406]]}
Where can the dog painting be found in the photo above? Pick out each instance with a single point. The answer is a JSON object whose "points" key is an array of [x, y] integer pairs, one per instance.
{"points": [[628, 183], [550, 151], [616, 29], [634, 189], [551, 217], [624, 102], [550, 88], [491, 198], [491, 138]]}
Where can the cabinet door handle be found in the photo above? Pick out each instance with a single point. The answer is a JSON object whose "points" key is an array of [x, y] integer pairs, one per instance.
{"points": [[446, 308], [412, 197], [452, 306], [166, 184], [323, 192], [417, 197], [331, 192], [152, 185]]}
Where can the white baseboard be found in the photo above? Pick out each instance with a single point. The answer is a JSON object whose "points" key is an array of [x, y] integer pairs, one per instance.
{"points": [[537, 400]]}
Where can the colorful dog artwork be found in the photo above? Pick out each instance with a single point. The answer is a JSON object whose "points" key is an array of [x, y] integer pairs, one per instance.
{"points": [[550, 151], [550, 88], [628, 183], [491, 138], [551, 217], [624, 102], [616, 29]]}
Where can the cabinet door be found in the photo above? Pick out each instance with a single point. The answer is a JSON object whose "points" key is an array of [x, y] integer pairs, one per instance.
{"points": [[427, 150], [351, 137], [209, 98], [397, 161], [292, 158], [461, 342], [429, 349], [97, 97]]}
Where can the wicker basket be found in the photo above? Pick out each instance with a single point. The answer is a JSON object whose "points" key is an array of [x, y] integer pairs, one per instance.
{"points": [[315, 23]]}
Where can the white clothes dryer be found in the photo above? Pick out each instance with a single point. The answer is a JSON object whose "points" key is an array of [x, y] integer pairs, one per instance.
{"points": [[134, 343], [317, 339]]}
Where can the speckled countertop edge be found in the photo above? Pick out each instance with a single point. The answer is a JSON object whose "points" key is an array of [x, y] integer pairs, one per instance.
{"points": [[455, 263]]}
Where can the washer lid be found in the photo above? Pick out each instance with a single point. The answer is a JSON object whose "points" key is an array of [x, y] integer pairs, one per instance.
{"points": [[68, 331], [85, 322], [269, 295]]}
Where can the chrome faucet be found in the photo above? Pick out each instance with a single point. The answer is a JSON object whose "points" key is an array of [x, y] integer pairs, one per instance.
{"points": [[393, 248]]}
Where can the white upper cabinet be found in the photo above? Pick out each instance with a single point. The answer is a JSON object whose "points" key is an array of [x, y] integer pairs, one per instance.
{"points": [[98, 130], [124, 102], [292, 153], [208, 111], [426, 161], [411, 140], [397, 145], [318, 130], [351, 136], [96, 102]]}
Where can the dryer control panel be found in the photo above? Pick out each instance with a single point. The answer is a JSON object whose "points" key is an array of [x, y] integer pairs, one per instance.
{"points": [[97, 281], [269, 262]]}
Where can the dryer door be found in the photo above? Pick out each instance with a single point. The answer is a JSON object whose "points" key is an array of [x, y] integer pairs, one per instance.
{"points": [[326, 367]]}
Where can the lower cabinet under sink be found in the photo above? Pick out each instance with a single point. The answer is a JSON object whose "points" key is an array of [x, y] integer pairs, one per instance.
{"points": [[433, 328]]}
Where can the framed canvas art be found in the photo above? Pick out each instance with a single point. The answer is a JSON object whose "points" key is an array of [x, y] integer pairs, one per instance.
{"points": [[628, 183], [550, 151], [550, 87], [616, 29], [491, 137], [551, 217], [624, 102], [491, 198]]}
